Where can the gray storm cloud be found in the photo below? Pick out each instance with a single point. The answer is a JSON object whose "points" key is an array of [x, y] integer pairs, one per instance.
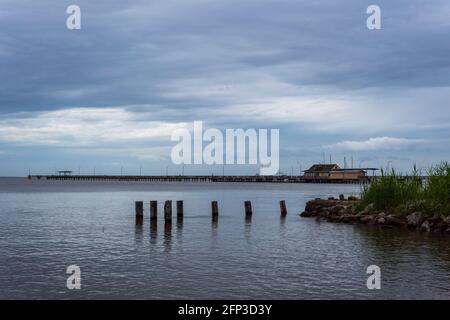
{"points": [[310, 68]]}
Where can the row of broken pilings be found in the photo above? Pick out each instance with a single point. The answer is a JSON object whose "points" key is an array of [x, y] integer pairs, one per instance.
{"points": [[139, 208]]}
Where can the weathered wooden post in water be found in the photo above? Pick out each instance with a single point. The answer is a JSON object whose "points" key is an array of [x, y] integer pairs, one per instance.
{"points": [[153, 210], [139, 207], [168, 211], [180, 209], [214, 209], [248, 208], [283, 208]]}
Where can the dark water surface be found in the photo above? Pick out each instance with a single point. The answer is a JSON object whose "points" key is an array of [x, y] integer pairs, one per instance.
{"points": [[47, 226]]}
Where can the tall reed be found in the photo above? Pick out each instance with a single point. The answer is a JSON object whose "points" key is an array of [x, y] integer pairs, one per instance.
{"points": [[395, 192], [437, 189]]}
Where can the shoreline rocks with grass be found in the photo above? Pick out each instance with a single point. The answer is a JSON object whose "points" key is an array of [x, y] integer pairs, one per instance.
{"points": [[414, 201], [350, 211]]}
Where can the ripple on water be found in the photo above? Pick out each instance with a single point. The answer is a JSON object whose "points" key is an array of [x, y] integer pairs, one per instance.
{"points": [[47, 227]]}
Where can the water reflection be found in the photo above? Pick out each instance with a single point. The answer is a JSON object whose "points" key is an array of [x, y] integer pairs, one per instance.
{"points": [[404, 254], [248, 227], [214, 225], [138, 234], [392, 242], [179, 229], [214, 221], [282, 225], [167, 236], [153, 231]]}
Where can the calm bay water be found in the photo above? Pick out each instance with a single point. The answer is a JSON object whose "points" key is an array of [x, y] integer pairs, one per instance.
{"points": [[47, 226]]}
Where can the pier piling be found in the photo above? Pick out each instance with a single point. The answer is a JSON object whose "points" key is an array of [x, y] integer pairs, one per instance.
{"points": [[248, 208], [214, 209], [283, 208], [180, 208], [168, 211], [153, 210], [139, 207]]}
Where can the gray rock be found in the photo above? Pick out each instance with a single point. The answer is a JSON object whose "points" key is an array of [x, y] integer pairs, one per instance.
{"points": [[439, 227], [414, 219], [325, 213], [391, 219], [381, 220], [425, 226], [436, 218], [366, 219], [382, 215], [341, 197], [336, 209]]}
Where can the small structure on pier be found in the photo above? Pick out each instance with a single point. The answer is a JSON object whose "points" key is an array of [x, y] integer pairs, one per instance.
{"points": [[320, 171], [347, 174], [333, 173]]}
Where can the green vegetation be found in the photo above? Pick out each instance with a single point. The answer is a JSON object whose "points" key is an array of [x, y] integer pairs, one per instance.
{"points": [[398, 193]]}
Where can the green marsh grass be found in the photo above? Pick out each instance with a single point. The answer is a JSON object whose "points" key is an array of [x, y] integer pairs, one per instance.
{"points": [[397, 193]]}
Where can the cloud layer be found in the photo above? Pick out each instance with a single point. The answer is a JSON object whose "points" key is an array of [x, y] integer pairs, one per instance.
{"points": [[136, 71], [379, 143], [83, 127]]}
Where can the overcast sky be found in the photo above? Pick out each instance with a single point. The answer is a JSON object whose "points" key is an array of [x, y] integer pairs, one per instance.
{"points": [[109, 95]]}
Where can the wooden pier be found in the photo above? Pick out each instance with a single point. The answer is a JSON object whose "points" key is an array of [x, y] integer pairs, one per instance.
{"points": [[211, 178]]}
